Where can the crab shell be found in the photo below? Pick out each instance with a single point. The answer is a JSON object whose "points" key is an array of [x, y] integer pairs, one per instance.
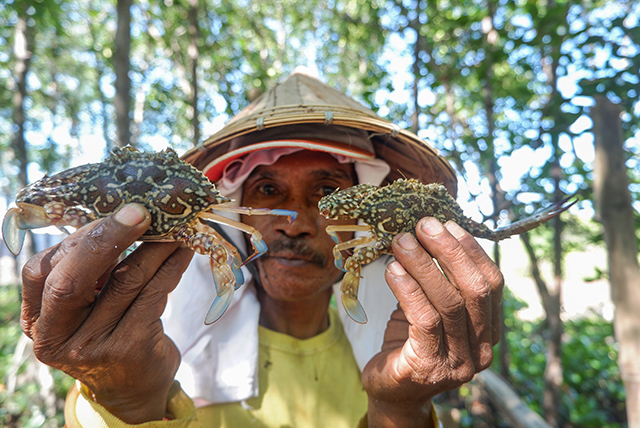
{"points": [[173, 191]]}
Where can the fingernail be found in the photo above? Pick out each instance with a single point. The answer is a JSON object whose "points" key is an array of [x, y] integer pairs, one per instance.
{"points": [[455, 229], [396, 269], [130, 215], [407, 241], [431, 226]]}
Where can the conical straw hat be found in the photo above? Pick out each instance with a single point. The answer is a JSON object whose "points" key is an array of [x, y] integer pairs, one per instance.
{"points": [[303, 107]]}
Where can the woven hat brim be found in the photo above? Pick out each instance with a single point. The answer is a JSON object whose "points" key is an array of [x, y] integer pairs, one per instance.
{"points": [[406, 153], [304, 107]]}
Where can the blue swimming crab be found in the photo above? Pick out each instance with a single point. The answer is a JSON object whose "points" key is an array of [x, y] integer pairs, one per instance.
{"points": [[179, 198], [396, 208]]}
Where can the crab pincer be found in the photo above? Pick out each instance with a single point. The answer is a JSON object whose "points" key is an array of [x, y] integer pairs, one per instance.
{"points": [[13, 231]]}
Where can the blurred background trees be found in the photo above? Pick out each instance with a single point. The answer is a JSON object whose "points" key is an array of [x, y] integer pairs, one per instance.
{"points": [[521, 97]]}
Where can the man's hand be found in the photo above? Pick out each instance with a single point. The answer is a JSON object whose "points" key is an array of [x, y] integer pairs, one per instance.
{"points": [[111, 340], [445, 328]]}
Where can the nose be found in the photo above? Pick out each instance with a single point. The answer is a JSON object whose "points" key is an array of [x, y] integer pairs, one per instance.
{"points": [[305, 224]]}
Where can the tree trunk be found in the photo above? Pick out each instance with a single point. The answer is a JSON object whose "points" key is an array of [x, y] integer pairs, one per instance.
{"points": [[613, 202], [553, 372], [415, 89], [194, 34], [490, 40], [22, 51], [121, 64], [551, 304]]}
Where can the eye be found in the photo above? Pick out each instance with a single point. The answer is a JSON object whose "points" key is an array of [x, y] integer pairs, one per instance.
{"points": [[267, 189], [327, 190]]}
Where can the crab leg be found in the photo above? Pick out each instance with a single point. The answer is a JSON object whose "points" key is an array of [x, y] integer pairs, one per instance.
{"points": [[259, 246], [332, 232], [224, 280], [351, 281], [536, 219], [352, 243], [74, 217], [234, 257], [353, 265], [226, 273], [28, 216], [523, 225], [291, 215]]}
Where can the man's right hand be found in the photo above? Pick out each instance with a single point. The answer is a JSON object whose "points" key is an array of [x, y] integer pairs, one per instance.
{"points": [[111, 340]]}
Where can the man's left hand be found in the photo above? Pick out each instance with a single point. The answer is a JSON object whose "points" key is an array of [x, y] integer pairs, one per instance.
{"points": [[445, 328]]}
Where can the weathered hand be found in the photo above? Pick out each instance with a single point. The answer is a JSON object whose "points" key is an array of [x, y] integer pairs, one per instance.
{"points": [[444, 330], [111, 340]]}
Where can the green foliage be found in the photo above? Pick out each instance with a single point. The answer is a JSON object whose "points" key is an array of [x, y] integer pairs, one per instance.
{"points": [[593, 394], [24, 407]]}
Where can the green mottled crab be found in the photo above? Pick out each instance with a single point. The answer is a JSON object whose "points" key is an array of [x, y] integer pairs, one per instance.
{"points": [[396, 208], [178, 196]]}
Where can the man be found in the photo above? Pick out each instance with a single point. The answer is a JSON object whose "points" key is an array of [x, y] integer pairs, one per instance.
{"points": [[280, 356]]}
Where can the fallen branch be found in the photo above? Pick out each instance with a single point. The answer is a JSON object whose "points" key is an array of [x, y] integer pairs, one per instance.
{"points": [[504, 397]]}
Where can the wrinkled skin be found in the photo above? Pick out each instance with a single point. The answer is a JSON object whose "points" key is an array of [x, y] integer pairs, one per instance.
{"points": [[113, 341], [444, 330], [440, 336]]}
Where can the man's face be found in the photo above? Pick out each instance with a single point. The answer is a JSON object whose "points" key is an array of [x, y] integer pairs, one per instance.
{"points": [[299, 263]]}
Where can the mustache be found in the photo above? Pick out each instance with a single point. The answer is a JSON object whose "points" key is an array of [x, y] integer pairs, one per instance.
{"points": [[296, 246]]}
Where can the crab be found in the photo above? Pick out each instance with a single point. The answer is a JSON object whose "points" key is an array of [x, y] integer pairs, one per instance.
{"points": [[179, 198], [395, 208]]}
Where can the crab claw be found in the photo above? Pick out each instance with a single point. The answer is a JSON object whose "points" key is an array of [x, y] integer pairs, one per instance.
{"points": [[26, 217], [349, 290], [259, 247], [535, 220], [219, 306], [291, 215], [224, 278], [337, 260], [12, 233], [237, 272]]}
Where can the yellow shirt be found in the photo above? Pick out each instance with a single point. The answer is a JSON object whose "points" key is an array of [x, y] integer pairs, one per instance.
{"points": [[302, 383]]}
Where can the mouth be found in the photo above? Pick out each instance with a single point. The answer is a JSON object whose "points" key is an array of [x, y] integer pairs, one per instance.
{"points": [[294, 252], [289, 259]]}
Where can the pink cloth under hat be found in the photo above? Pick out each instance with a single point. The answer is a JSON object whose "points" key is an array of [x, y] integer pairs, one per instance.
{"points": [[231, 171], [215, 169]]}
